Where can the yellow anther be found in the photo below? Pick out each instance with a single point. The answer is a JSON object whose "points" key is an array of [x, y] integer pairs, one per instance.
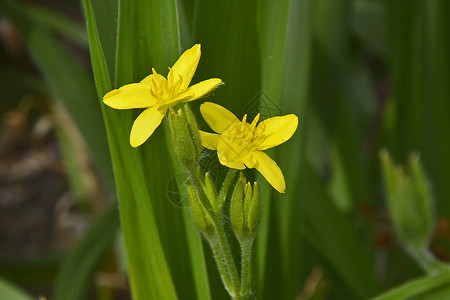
{"points": [[154, 73], [170, 79], [255, 120], [178, 84], [154, 94]]}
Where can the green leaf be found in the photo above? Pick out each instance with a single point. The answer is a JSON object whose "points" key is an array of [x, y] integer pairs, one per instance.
{"points": [[152, 41], [9, 291], [418, 288], [226, 58], [369, 24], [80, 264], [330, 234], [57, 22], [106, 16], [273, 21], [148, 269]]}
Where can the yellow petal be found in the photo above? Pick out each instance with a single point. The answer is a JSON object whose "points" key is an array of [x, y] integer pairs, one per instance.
{"points": [[148, 80], [145, 124], [186, 66], [202, 88], [277, 130], [231, 155], [133, 95], [270, 170], [209, 140], [217, 117]]}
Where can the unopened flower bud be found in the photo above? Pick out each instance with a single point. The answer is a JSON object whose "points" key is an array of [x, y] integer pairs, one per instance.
{"points": [[183, 138], [410, 201], [211, 192], [245, 209], [193, 128], [237, 206], [254, 213], [198, 211]]}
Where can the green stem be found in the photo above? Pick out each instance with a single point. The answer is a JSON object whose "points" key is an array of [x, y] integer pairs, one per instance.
{"points": [[427, 260], [226, 252], [221, 264], [246, 272], [222, 251]]}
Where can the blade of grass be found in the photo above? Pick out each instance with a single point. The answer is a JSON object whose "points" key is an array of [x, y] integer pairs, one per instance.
{"points": [[228, 48], [405, 55], [329, 233], [148, 270], [369, 24], [436, 106], [152, 41], [9, 291], [80, 264], [416, 287], [272, 28], [290, 155], [57, 22], [106, 16]]}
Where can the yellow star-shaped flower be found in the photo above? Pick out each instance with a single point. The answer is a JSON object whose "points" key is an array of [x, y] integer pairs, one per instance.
{"points": [[239, 144], [157, 94]]}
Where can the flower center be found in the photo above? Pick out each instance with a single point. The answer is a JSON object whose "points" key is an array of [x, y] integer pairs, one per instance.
{"points": [[246, 135], [165, 89]]}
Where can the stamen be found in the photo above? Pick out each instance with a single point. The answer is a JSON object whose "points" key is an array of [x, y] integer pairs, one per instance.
{"points": [[156, 95], [179, 82], [170, 79], [161, 82], [155, 84], [244, 121], [154, 72], [255, 120]]}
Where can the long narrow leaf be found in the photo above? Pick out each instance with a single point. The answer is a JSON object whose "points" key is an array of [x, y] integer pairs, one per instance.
{"points": [[149, 274], [79, 266], [416, 288], [9, 291]]}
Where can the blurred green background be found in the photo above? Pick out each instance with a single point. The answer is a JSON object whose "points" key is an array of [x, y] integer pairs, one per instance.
{"points": [[360, 75]]}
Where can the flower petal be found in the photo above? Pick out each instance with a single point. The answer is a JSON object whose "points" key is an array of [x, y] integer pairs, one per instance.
{"points": [[133, 95], [202, 88], [209, 140], [186, 66], [231, 155], [145, 124], [217, 117], [147, 80], [277, 130], [270, 170]]}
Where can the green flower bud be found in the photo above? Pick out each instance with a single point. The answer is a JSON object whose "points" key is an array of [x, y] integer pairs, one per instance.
{"points": [[237, 206], [245, 210], [183, 139], [211, 192], [193, 127], [254, 213], [198, 211], [410, 201]]}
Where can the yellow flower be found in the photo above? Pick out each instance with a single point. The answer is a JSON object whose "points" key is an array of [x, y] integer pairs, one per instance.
{"points": [[239, 143], [157, 94]]}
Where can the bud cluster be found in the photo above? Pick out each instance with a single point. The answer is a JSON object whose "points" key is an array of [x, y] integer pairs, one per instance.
{"points": [[245, 211]]}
